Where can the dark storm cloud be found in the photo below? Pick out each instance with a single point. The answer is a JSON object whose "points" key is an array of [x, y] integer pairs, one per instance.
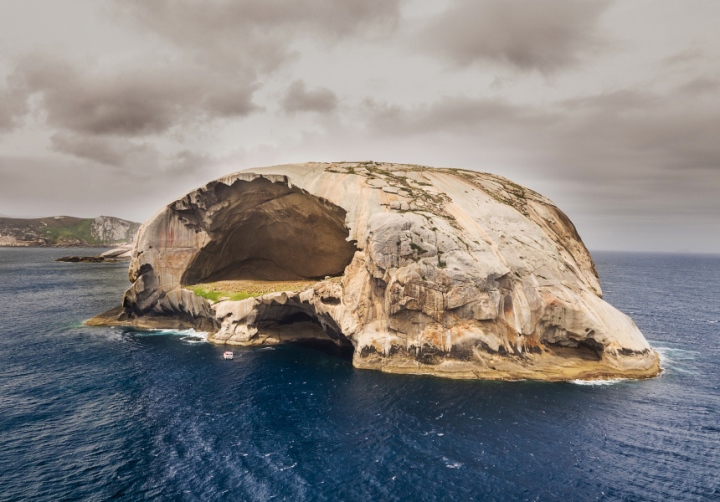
{"points": [[544, 35], [256, 34], [131, 102], [299, 98]]}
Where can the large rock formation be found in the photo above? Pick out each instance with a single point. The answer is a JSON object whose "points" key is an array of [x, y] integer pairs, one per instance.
{"points": [[416, 270]]}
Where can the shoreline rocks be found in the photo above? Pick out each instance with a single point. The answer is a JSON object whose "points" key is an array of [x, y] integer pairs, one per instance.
{"points": [[119, 254]]}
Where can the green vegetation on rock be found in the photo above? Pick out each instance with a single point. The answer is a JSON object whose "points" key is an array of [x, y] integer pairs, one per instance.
{"points": [[216, 296], [75, 230]]}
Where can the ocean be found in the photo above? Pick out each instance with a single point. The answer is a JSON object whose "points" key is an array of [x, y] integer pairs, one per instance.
{"points": [[107, 413]]}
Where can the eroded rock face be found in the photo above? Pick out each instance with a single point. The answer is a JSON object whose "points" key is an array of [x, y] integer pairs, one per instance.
{"points": [[441, 271], [110, 229]]}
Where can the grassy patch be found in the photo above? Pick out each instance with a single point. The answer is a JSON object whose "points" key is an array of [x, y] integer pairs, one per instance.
{"points": [[216, 296], [241, 290], [80, 230]]}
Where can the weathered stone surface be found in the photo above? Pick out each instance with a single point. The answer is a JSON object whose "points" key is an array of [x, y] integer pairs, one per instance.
{"points": [[442, 271], [110, 229]]}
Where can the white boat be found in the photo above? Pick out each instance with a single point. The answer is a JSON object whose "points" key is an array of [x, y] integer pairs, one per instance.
{"points": [[228, 354]]}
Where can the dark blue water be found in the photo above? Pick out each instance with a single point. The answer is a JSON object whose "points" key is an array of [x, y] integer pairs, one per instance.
{"points": [[96, 414]]}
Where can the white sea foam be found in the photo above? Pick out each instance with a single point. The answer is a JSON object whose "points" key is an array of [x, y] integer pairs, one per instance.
{"points": [[608, 381], [451, 464], [680, 360], [186, 335]]}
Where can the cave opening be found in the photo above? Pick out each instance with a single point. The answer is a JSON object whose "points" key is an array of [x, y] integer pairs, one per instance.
{"points": [[268, 231], [298, 325]]}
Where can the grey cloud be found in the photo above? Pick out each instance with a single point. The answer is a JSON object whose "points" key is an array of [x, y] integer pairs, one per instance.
{"points": [[230, 101], [116, 152], [131, 102], [684, 57], [255, 35], [627, 156], [674, 130], [701, 85], [13, 103], [544, 35], [300, 99], [136, 159], [452, 115], [187, 161], [79, 187]]}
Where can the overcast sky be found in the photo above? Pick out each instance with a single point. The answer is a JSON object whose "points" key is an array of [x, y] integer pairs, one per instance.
{"points": [[610, 108]]}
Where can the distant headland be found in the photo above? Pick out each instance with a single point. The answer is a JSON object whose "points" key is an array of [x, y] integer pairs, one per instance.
{"points": [[67, 231]]}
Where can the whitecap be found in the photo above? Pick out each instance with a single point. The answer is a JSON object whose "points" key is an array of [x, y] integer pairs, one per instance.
{"points": [[196, 338]]}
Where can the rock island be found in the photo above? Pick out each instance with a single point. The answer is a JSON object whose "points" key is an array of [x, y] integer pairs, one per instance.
{"points": [[410, 269]]}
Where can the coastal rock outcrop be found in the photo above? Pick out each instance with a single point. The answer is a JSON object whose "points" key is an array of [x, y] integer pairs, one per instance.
{"points": [[411, 269]]}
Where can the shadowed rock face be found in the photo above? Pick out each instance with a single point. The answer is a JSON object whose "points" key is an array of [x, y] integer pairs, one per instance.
{"points": [[440, 271]]}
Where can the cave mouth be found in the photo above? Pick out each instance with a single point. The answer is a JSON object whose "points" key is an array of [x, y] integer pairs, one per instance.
{"points": [[270, 231], [292, 325]]}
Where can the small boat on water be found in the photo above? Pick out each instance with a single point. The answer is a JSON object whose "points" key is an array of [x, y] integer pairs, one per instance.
{"points": [[228, 354]]}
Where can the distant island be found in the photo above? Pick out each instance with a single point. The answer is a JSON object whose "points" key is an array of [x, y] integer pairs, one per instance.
{"points": [[67, 231]]}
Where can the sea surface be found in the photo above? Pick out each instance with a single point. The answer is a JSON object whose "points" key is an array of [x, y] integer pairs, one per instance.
{"points": [[100, 414]]}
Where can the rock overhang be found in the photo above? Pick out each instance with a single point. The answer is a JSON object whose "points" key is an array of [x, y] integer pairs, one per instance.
{"points": [[439, 271]]}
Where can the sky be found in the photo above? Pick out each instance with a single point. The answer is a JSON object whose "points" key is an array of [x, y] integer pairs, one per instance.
{"points": [[609, 108]]}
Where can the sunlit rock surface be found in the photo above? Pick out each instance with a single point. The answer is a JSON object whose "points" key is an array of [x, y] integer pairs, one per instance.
{"points": [[414, 270]]}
